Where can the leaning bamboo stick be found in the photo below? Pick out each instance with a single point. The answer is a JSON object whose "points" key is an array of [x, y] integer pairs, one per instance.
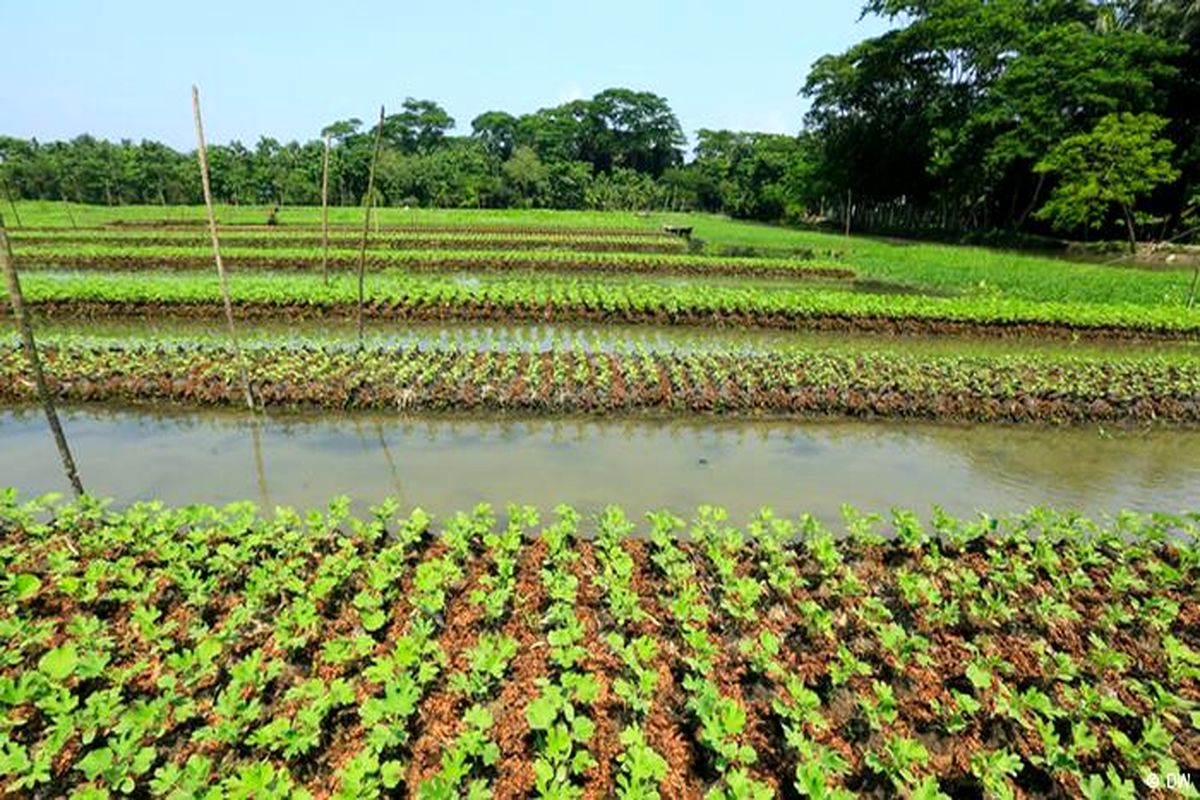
{"points": [[11, 203], [13, 284], [70, 216], [325, 213], [362, 250], [202, 154]]}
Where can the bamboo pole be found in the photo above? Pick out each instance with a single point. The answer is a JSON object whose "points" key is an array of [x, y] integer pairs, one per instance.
{"points": [[13, 284], [70, 216], [362, 249], [11, 204], [325, 213], [202, 154]]}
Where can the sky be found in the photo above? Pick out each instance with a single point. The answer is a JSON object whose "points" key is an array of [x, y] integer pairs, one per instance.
{"points": [[286, 69]]}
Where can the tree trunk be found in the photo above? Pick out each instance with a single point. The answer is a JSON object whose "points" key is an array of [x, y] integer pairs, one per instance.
{"points": [[362, 249], [1037, 195], [849, 208], [202, 154], [1131, 229], [13, 284], [325, 213]]}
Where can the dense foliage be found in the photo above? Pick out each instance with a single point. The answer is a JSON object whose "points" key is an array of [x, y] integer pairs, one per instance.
{"points": [[942, 121]]}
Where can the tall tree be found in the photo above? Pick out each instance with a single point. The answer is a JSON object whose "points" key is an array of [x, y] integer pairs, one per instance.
{"points": [[1119, 161]]}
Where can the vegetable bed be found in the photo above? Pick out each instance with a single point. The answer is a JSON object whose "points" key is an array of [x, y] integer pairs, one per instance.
{"points": [[1033, 388], [181, 652]]}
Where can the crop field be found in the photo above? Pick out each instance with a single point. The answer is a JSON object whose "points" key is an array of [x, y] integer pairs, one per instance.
{"points": [[195, 651], [191, 650]]}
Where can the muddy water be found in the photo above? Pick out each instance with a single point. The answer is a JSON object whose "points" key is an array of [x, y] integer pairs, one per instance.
{"points": [[445, 463], [604, 338]]}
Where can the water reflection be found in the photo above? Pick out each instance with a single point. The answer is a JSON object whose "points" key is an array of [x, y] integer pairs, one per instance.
{"points": [[450, 463]]}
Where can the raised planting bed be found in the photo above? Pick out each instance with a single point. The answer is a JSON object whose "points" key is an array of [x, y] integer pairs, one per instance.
{"points": [[120, 257], [481, 228], [550, 297], [174, 652], [33, 242], [841, 382]]}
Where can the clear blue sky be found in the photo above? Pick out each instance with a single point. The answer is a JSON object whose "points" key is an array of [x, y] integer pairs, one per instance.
{"points": [[124, 69]]}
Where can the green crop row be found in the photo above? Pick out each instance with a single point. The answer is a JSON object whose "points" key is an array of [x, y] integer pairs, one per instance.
{"points": [[201, 652], [199, 236], [93, 255], [402, 295], [890, 384]]}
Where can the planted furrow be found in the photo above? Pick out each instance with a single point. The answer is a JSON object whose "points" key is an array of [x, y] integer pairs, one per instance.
{"points": [[403, 296], [1001, 388], [31, 245], [594, 261]]}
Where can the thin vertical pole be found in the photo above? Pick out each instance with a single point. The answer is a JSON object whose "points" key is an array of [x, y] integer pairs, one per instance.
{"points": [[202, 154], [11, 204], [325, 213], [13, 284], [362, 249], [70, 216]]}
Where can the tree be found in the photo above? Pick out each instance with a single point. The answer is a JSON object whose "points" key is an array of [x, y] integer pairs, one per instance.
{"points": [[419, 127], [528, 177], [1119, 161], [497, 130], [635, 130]]}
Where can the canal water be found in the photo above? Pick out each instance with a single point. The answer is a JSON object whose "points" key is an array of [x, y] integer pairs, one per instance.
{"points": [[448, 463]]}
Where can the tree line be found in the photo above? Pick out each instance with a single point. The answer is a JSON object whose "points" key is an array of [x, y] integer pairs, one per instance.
{"points": [[1068, 117]]}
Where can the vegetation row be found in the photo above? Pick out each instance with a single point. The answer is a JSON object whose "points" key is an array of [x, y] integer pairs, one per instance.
{"points": [[995, 388], [548, 297], [345, 255]]}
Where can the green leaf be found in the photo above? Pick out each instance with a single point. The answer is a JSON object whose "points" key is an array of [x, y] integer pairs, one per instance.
{"points": [[373, 620], [540, 713], [391, 773], [59, 663], [95, 763], [25, 586]]}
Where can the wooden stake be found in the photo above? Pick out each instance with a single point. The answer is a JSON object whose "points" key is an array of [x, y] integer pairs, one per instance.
{"points": [[70, 216], [13, 284], [11, 204], [362, 249], [325, 214], [202, 154]]}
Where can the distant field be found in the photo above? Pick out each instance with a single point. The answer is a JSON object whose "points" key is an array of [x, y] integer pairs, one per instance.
{"points": [[519, 268], [968, 271]]}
